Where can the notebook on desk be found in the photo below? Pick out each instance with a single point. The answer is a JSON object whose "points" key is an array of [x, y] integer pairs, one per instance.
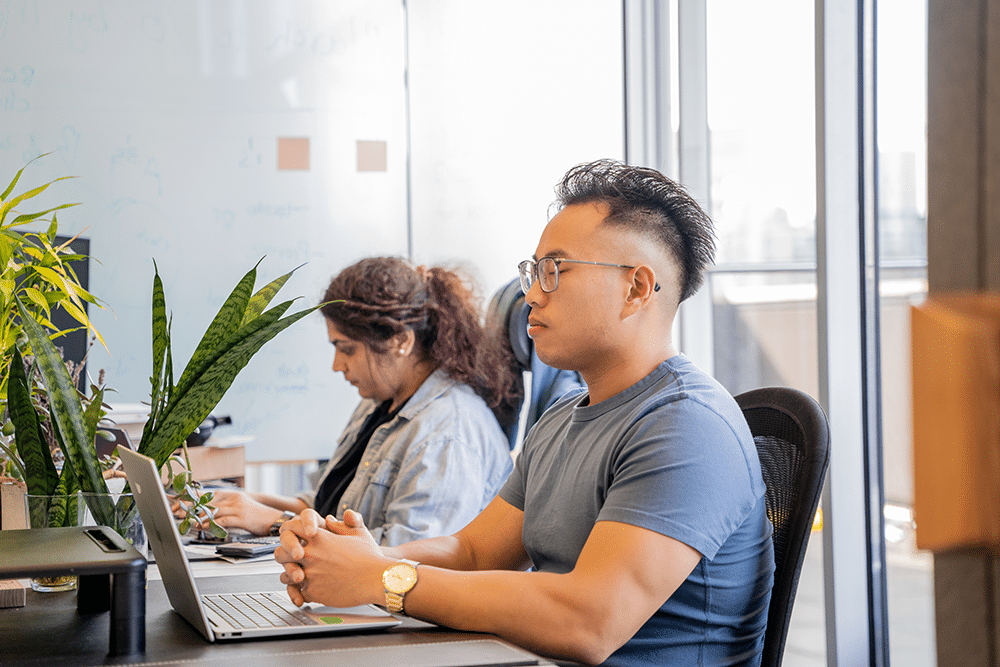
{"points": [[228, 616]]}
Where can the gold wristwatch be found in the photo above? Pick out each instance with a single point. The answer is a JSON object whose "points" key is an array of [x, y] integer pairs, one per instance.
{"points": [[399, 580]]}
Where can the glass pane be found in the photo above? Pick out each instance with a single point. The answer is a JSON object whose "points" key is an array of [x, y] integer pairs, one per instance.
{"points": [[761, 114], [765, 332], [765, 329], [902, 155], [504, 98], [761, 109]]}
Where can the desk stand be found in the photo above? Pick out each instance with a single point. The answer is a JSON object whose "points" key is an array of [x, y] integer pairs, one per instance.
{"points": [[112, 574]]}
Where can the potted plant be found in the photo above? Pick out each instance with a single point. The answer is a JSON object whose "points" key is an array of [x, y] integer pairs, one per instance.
{"points": [[38, 272], [237, 332], [242, 326]]}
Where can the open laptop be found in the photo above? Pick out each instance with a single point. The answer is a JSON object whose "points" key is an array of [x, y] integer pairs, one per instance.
{"points": [[235, 615]]}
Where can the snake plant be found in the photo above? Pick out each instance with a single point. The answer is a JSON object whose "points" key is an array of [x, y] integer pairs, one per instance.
{"points": [[241, 327], [237, 332], [73, 419]]}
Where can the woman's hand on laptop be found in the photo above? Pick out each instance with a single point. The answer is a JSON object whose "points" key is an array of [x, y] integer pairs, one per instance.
{"points": [[339, 567], [235, 509]]}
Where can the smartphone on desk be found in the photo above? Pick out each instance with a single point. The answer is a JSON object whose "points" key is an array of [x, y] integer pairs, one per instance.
{"points": [[246, 549]]}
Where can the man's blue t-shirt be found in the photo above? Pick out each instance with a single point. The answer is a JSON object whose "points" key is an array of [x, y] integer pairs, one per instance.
{"points": [[672, 454]]}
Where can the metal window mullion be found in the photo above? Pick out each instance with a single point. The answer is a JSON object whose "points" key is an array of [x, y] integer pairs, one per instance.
{"points": [[847, 312], [697, 331], [407, 130], [871, 297], [648, 135]]}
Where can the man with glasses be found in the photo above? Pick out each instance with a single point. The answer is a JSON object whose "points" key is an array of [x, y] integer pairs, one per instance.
{"points": [[638, 505]]}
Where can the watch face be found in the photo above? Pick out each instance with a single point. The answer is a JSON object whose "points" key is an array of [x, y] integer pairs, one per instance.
{"points": [[400, 578]]}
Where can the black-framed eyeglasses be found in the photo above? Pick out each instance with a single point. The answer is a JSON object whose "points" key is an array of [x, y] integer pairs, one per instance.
{"points": [[546, 272]]}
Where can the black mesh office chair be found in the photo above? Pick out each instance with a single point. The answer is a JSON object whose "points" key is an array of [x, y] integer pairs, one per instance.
{"points": [[793, 442]]}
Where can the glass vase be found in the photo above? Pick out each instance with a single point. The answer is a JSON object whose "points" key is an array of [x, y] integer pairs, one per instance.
{"points": [[117, 511], [53, 511]]}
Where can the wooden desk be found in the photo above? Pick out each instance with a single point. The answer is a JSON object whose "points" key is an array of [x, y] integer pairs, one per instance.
{"points": [[49, 632]]}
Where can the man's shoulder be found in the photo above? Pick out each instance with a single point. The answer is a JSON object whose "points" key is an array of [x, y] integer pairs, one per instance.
{"points": [[683, 382]]}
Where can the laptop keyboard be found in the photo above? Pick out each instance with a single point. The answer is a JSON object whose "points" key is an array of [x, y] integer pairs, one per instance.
{"points": [[256, 610]]}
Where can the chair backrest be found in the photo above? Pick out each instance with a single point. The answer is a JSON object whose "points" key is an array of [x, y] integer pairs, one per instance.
{"points": [[509, 312], [792, 436]]}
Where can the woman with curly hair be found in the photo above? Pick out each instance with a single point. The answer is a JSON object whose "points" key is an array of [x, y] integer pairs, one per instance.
{"points": [[424, 451]]}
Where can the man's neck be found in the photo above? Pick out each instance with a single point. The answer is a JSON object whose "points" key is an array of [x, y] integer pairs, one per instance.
{"points": [[610, 379]]}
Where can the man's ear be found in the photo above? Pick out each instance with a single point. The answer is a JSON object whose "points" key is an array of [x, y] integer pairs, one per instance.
{"points": [[644, 284]]}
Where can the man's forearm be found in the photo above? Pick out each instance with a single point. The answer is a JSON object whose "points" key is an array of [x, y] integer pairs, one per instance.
{"points": [[539, 611], [445, 552]]}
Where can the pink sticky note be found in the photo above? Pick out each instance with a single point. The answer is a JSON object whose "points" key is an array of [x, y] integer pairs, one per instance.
{"points": [[293, 153]]}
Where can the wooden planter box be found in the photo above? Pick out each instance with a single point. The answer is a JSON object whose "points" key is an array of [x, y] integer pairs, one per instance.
{"points": [[956, 421]]}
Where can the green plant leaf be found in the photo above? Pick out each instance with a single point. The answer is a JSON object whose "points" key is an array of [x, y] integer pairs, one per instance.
{"points": [[264, 320], [161, 343], [30, 217], [9, 204], [40, 473], [93, 414], [14, 460], [216, 530], [6, 251], [10, 188], [81, 317], [193, 407], [264, 295], [66, 407], [17, 176], [38, 298], [223, 326]]}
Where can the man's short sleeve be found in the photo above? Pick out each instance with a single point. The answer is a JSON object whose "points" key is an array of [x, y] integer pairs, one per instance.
{"points": [[683, 473]]}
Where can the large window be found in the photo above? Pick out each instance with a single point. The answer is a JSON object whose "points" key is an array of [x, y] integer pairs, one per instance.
{"points": [[902, 204], [761, 119], [760, 89]]}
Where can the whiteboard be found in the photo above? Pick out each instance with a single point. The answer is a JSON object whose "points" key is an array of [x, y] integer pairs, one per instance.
{"points": [[170, 116]]}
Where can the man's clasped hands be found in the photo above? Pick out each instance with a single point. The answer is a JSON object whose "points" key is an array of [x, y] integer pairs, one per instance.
{"points": [[332, 562]]}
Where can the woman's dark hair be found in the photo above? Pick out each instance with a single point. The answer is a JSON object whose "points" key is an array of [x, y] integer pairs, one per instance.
{"points": [[380, 297], [647, 202]]}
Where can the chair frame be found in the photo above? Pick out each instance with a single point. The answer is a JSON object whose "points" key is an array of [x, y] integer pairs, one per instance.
{"points": [[775, 413]]}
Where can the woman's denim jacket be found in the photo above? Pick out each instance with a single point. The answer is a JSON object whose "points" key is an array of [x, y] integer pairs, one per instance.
{"points": [[430, 470]]}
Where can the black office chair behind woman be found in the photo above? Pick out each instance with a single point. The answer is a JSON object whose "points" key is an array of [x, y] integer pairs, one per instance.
{"points": [[508, 314]]}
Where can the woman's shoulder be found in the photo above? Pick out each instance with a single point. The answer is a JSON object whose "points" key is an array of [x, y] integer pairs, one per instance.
{"points": [[439, 391], [452, 406]]}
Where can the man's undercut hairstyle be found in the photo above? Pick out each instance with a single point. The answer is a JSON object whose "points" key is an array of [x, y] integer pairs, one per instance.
{"points": [[647, 202]]}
